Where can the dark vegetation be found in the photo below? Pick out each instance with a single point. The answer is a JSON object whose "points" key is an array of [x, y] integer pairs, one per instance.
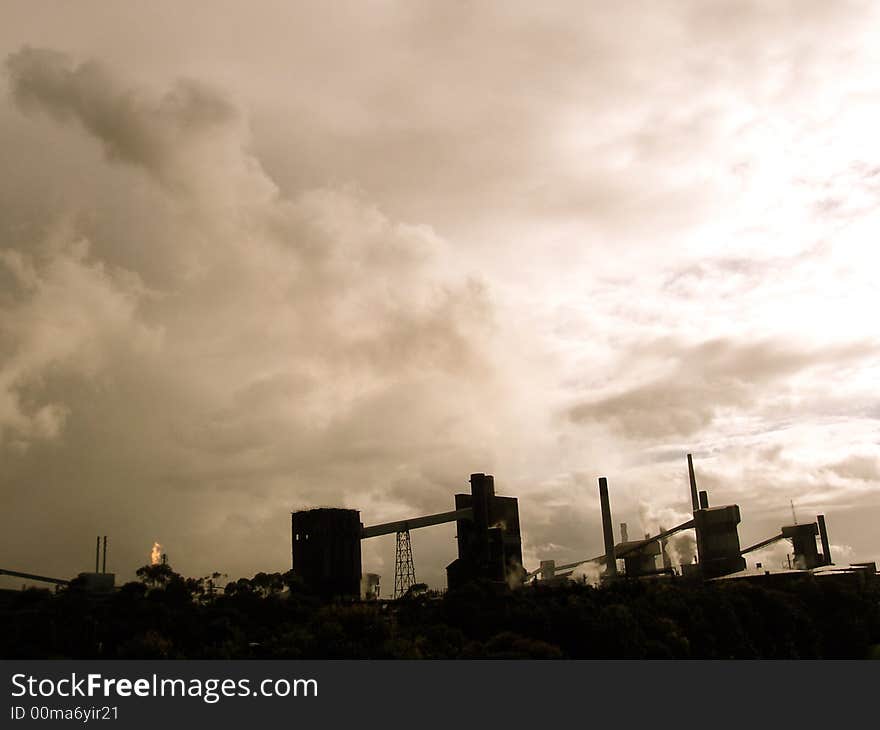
{"points": [[274, 616]]}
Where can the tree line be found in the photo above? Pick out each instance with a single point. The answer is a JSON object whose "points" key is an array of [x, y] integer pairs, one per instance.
{"points": [[274, 616]]}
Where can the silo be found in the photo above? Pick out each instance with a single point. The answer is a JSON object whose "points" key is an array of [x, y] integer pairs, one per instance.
{"points": [[327, 550]]}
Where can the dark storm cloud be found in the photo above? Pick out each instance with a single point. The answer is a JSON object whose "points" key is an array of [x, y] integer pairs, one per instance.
{"points": [[291, 352], [362, 251], [858, 466], [132, 126], [701, 380]]}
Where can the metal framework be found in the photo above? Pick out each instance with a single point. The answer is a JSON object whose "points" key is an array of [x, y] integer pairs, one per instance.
{"points": [[404, 570]]}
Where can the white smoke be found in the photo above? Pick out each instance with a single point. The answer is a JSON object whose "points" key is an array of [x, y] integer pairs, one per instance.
{"points": [[680, 547], [774, 556], [589, 573]]}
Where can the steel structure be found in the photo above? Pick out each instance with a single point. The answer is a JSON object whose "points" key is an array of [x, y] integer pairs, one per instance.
{"points": [[32, 576], [326, 552], [803, 539], [404, 569], [386, 528]]}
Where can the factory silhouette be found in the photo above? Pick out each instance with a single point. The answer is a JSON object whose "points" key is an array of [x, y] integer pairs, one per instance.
{"points": [[326, 546], [640, 603], [326, 549]]}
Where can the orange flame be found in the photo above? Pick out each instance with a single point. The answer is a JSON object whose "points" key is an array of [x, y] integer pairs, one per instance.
{"points": [[156, 554]]}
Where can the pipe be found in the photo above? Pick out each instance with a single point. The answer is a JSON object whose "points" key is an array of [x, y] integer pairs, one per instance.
{"points": [[759, 545], [31, 576], [97, 552], [388, 528], [632, 549], [704, 500], [660, 536], [624, 535], [695, 502], [104, 560], [823, 535], [598, 559], [607, 528]]}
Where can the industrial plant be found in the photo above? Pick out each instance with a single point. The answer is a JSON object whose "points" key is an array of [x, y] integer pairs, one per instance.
{"points": [[326, 551], [685, 591], [327, 543], [99, 581]]}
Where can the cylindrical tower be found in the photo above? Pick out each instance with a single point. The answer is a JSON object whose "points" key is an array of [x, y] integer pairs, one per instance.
{"points": [[607, 529], [327, 550]]}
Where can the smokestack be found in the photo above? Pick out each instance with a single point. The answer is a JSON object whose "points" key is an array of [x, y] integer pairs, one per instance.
{"points": [[704, 500], [104, 559], [624, 535], [97, 552], [482, 488], [607, 529], [823, 535], [695, 503]]}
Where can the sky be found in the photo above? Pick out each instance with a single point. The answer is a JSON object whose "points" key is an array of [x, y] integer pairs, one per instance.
{"points": [[262, 258]]}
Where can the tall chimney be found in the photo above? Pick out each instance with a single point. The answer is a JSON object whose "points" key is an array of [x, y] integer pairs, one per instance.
{"points": [[104, 560], [704, 500], [97, 552], [607, 529], [624, 535], [482, 489], [823, 535], [695, 502]]}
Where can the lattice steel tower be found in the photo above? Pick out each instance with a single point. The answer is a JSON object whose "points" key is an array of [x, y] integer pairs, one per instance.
{"points": [[404, 570]]}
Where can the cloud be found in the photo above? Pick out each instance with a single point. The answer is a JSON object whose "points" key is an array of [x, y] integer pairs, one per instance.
{"points": [[317, 271], [176, 136], [66, 314], [858, 466], [292, 350], [700, 381]]}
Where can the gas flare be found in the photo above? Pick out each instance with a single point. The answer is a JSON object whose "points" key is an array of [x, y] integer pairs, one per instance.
{"points": [[156, 554]]}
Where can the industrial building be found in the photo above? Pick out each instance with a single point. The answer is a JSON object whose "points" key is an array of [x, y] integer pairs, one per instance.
{"points": [[98, 582], [717, 542], [327, 553], [489, 544], [326, 548]]}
